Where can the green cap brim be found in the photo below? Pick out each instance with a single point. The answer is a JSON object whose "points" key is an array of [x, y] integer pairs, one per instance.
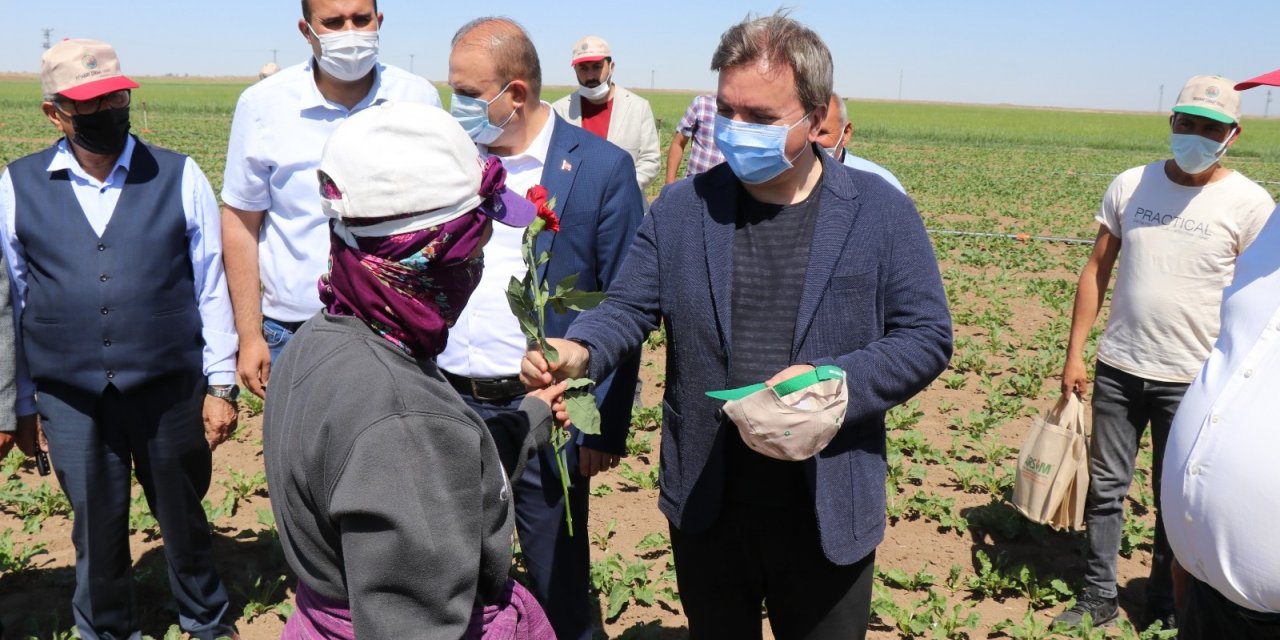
{"points": [[1205, 112], [786, 387]]}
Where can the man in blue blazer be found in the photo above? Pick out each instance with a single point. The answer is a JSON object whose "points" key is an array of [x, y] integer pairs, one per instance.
{"points": [[496, 80], [761, 269]]}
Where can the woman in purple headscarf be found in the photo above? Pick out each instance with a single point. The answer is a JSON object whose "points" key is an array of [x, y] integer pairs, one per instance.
{"points": [[391, 497]]}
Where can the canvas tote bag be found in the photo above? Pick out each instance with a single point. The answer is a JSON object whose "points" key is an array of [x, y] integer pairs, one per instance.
{"points": [[1053, 467]]}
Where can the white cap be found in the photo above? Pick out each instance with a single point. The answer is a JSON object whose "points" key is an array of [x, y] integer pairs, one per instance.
{"points": [[399, 158]]}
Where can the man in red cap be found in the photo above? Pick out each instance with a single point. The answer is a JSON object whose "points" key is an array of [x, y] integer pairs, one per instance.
{"points": [[125, 329], [609, 111], [1221, 483]]}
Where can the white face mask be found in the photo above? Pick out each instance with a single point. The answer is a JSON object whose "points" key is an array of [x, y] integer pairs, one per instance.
{"points": [[597, 92], [1195, 154], [347, 55], [838, 150]]}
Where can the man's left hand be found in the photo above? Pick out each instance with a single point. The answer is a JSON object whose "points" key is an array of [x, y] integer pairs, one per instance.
{"points": [[7, 440], [220, 419], [593, 461], [789, 373]]}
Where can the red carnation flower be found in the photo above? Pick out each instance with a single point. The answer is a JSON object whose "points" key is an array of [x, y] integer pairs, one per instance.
{"points": [[537, 194]]}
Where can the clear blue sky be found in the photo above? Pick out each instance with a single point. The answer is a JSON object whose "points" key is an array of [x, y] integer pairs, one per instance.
{"points": [[1111, 54]]}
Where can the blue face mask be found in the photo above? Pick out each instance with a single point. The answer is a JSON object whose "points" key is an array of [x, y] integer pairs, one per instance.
{"points": [[473, 115], [755, 152], [1195, 154]]}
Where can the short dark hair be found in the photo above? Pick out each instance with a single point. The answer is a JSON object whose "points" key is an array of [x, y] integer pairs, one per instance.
{"points": [[779, 39], [306, 9], [511, 47]]}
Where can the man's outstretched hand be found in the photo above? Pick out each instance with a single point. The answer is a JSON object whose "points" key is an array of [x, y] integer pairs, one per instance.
{"points": [[537, 373]]}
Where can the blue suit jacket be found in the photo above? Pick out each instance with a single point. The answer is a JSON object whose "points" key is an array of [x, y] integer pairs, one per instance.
{"points": [[873, 304], [600, 206]]}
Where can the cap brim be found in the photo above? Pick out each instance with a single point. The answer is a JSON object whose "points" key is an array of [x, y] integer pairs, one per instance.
{"points": [[1272, 79], [511, 210], [1205, 113], [90, 90], [577, 61]]}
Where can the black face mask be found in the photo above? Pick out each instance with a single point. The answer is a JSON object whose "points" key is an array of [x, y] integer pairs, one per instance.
{"points": [[104, 132]]}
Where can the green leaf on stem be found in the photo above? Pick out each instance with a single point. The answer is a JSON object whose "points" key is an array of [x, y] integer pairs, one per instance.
{"points": [[578, 300], [518, 298], [580, 403], [549, 352], [566, 284]]}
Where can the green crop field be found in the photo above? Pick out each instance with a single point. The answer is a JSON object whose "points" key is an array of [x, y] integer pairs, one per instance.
{"points": [[957, 562]]}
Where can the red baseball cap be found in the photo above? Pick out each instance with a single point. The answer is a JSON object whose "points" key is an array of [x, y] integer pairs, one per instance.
{"points": [[1272, 79], [82, 69], [590, 49]]}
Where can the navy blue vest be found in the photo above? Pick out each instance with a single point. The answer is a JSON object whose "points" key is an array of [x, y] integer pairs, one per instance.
{"points": [[120, 309]]}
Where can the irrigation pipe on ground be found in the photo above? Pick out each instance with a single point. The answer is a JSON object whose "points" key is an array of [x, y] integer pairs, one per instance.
{"points": [[1022, 237]]}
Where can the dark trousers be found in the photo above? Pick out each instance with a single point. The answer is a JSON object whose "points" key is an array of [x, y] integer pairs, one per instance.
{"points": [[95, 439], [1208, 615], [1123, 405], [752, 556], [559, 564]]}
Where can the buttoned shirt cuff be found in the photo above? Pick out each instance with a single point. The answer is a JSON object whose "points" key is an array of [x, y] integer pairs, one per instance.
{"points": [[222, 377], [219, 355]]}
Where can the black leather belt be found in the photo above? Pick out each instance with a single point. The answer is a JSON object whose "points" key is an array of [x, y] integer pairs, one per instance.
{"points": [[495, 390], [291, 327]]}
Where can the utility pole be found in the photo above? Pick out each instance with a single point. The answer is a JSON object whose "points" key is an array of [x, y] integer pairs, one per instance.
{"points": [[651, 80], [273, 56], [1266, 107], [899, 85], [411, 63], [1160, 102], [47, 31]]}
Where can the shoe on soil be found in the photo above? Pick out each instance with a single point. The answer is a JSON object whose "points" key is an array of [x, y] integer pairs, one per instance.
{"points": [[1102, 610]]}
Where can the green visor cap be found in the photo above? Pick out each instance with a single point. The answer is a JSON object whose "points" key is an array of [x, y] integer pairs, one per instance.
{"points": [[786, 387], [1205, 112]]}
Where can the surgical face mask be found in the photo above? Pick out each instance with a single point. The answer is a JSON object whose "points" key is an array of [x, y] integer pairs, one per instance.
{"points": [[1195, 154], [104, 132], [835, 151], [473, 115], [347, 55], [755, 152], [597, 92]]}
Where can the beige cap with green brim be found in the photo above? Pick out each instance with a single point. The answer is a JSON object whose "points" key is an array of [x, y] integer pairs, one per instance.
{"points": [[792, 420], [1212, 97]]}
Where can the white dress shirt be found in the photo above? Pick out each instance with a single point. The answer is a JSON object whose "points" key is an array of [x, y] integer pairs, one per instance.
{"points": [[1221, 481], [277, 134], [98, 200], [486, 341]]}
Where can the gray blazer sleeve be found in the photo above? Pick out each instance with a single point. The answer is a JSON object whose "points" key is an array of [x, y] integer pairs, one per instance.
{"points": [[8, 354]]}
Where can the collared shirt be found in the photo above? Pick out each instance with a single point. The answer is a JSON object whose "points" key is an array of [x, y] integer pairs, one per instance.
{"points": [[699, 125], [1221, 483], [862, 164], [98, 200], [486, 341], [279, 130]]}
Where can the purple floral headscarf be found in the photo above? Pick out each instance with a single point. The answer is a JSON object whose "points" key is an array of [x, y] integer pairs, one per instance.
{"points": [[409, 288]]}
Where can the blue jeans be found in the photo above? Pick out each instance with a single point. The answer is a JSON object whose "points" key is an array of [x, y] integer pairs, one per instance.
{"points": [[278, 334], [1123, 405]]}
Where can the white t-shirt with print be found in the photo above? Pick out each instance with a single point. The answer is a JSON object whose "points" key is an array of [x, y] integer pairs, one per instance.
{"points": [[1178, 252]]}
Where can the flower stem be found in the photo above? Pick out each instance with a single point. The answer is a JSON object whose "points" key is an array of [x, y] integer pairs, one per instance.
{"points": [[562, 462]]}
